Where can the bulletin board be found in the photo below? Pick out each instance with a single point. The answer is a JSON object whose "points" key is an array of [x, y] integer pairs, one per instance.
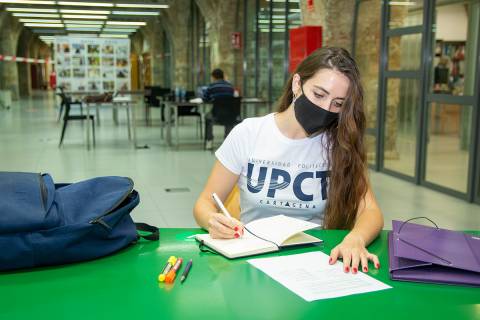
{"points": [[92, 64]]}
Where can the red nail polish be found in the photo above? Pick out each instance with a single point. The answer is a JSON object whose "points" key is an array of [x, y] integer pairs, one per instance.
{"points": [[347, 269], [365, 269], [236, 228], [377, 265], [237, 235], [330, 261], [355, 270]]}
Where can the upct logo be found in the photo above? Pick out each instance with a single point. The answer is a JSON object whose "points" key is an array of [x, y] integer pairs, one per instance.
{"points": [[281, 179]]}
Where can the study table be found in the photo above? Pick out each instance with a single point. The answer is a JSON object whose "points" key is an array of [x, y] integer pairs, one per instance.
{"points": [[256, 103], [124, 286], [171, 111], [121, 101]]}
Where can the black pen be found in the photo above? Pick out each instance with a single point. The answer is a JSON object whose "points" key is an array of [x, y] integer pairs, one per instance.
{"points": [[185, 272]]}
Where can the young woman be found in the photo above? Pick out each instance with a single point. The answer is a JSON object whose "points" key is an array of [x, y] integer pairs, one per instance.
{"points": [[306, 161]]}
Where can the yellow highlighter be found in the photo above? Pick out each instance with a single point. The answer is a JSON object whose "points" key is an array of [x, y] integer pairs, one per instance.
{"points": [[170, 263]]}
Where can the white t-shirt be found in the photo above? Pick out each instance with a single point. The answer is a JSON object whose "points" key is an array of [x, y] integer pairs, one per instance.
{"points": [[277, 175]]}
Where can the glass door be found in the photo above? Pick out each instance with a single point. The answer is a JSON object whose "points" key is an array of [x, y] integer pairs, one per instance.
{"points": [[400, 86], [429, 118], [450, 100]]}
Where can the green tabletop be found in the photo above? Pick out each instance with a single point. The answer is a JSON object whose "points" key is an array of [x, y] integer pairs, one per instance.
{"points": [[124, 286]]}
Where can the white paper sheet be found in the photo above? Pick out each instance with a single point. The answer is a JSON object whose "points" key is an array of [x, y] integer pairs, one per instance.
{"points": [[311, 277]]}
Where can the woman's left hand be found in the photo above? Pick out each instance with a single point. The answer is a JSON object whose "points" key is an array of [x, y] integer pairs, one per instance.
{"points": [[352, 250]]}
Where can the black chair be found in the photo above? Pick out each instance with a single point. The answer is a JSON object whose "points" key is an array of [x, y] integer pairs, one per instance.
{"points": [[63, 97], [68, 117], [226, 112], [151, 101]]}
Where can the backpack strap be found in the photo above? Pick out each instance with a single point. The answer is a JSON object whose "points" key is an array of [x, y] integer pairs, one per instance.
{"points": [[154, 231]]}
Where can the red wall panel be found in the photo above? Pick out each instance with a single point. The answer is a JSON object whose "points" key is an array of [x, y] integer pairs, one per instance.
{"points": [[303, 41]]}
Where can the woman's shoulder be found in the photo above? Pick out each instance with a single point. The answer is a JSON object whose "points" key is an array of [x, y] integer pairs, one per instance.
{"points": [[255, 123]]}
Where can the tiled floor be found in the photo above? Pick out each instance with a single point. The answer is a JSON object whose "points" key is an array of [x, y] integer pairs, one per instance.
{"points": [[29, 137]]}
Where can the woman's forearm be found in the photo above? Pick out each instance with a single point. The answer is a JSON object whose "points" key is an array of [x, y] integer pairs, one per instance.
{"points": [[203, 210], [368, 225], [221, 181]]}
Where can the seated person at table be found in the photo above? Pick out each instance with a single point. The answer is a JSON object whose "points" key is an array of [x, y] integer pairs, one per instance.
{"points": [[218, 88], [307, 161], [441, 76]]}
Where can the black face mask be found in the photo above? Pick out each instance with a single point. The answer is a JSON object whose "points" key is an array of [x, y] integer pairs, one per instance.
{"points": [[312, 117]]}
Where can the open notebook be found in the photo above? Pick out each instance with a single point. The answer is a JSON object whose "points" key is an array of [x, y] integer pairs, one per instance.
{"points": [[263, 235]]}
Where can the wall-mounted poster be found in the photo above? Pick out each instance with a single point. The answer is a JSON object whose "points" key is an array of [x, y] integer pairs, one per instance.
{"points": [[93, 64]]}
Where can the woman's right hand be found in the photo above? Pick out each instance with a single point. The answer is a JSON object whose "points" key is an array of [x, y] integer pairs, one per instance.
{"points": [[222, 227]]}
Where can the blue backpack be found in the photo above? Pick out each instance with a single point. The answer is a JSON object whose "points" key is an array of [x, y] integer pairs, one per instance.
{"points": [[43, 223]]}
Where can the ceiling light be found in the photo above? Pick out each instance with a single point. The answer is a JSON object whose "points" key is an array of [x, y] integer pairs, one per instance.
{"points": [[83, 29], [137, 13], [84, 21], [273, 30], [119, 30], [121, 26], [28, 2], [44, 25], [36, 15], [127, 23], [83, 35], [106, 35], [40, 21], [400, 3], [141, 5], [90, 4], [48, 31], [273, 21], [31, 10], [72, 16], [85, 11], [97, 26]]}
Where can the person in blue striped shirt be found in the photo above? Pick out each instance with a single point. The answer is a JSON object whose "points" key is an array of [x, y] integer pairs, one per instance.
{"points": [[218, 88]]}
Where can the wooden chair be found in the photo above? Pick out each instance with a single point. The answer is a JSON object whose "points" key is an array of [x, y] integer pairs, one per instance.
{"points": [[233, 203]]}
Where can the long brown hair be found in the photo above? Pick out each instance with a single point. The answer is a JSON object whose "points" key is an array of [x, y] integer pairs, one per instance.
{"points": [[346, 150]]}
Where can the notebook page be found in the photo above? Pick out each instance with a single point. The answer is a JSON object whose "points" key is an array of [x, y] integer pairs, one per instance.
{"points": [[232, 248], [279, 228]]}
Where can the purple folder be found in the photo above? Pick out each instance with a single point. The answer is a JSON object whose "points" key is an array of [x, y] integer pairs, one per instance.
{"points": [[427, 254]]}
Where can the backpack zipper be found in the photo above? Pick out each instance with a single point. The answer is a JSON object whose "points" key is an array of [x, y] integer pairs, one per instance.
{"points": [[43, 191], [99, 219]]}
